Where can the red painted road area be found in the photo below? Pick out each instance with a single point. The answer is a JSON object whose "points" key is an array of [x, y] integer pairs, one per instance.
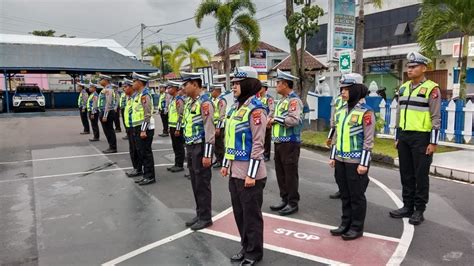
{"points": [[316, 241]]}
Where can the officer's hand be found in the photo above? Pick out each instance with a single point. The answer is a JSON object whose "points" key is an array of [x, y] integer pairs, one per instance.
{"points": [[104, 119], [430, 149], [143, 135], [396, 144], [206, 162], [249, 182], [362, 170], [270, 122], [218, 132], [328, 143], [177, 133], [332, 163], [224, 171]]}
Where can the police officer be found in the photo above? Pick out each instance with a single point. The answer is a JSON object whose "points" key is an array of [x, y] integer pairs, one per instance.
{"points": [[129, 95], [350, 155], [82, 104], [419, 121], [163, 109], [286, 134], [118, 112], [336, 104], [199, 135], [144, 127], [107, 112], [245, 138], [268, 102], [220, 106], [93, 111], [175, 116], [123, 101]]}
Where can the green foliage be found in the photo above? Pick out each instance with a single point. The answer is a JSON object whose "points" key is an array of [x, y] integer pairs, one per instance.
{"points": [[380, 122], [191, 50], [303, 23], [157, 53], [45, 33]]}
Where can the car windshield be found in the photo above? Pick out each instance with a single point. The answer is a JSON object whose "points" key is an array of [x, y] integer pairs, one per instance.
{"points": [[27, 90]]}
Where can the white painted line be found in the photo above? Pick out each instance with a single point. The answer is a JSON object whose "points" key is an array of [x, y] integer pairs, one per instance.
{"points": [[75, 157], [76, 173], [366, 234], [147, 247], [277, 249]]}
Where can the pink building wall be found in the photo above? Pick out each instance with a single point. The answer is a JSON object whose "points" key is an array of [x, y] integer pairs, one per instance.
{"points": [[40, 79]]}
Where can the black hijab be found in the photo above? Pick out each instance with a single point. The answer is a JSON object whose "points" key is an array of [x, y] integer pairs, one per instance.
{"points": [[356, 92], [248, 88]]}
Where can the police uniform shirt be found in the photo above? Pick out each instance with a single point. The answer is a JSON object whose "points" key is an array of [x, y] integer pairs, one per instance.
{"points": [[207, 113], [84, 97], [95, 102], [180, 102], [270, 104], [222, 104], [109, 99], [148, 121], [294, 113]]}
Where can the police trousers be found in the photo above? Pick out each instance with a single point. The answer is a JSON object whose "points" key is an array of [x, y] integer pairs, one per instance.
{"points": [[117, 119], [268, 143], [220, 148], [178, 147], [132, 148], [286, 168], [200, 181], [84, 119], [164, 120], [352, 187], [414, 168], [108, 128], [95, 125], [247, 208], [145, 153]]}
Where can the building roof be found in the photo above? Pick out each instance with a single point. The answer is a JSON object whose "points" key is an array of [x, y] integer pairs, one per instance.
{"points": [[32, 39], [310, 63], [39, 58], [236, 48]]}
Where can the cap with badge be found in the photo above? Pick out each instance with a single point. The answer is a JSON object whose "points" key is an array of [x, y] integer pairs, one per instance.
{"points": [[187, 76], [95, 85], [106, 77], [83, 85], [127, 82], [174, 84], [265, 84], [415, 59], [285, 76], [350, 79], [217, 86], [136, 76], [244, 72]]}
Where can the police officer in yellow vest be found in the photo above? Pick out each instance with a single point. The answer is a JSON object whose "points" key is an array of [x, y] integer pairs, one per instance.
{"points": [[243, 162], [107, 112], [419, 121], [128, 95], [351, 154], [287, 123], [144, 127], [163, 103], [220, 106], [117, 95], [93, 111], [269, 103], [122, 102], [336, 104], [199, 135], [82, 104], [175, 117]]}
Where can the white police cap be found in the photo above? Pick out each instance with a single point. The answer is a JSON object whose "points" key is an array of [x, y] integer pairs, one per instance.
{"points": [[265, 84], [244, 72], [218, 86], [187, 76], [127, 82], [285, 76], [174, 84], [350, 79], [415, 58], [136, 76], [83, 85], [102, 76], [95, 85]]}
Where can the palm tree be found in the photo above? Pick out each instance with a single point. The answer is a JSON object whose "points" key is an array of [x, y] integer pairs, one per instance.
{"points": [[158, 53], [439, 17], [232, 16], [360, 31], [191, 50]]}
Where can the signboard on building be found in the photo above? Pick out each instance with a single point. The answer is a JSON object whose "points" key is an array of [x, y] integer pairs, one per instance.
{"points": [[345, 62], [456, 49], [258, 60], [380, 67], [341, 32]]}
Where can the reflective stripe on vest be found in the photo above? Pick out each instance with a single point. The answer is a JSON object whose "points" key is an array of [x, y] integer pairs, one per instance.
{"points": [[127, 113], [90, 101], [350, 131], [138, 113], [414, 107], [281, 133], [162, 101], [173, 113], [101, 103], [193, 122], [123, 100]]}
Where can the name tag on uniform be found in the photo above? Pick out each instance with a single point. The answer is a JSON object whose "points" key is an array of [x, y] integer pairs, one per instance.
{"points": [[240, 114], [423, 91], [354, 119], [193, 109]]}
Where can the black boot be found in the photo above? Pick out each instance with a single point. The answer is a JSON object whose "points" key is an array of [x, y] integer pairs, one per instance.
{"points": [[417, 218], [288, 210], [278, 206], [146, 181], [342, 229], [201, 225], [336, 195], [192, 221], [402, 212], [351, 235]]}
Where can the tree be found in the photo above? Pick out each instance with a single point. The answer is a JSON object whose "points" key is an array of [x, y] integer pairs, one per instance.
{"points": [[190, 50], [45, 33], [232, 16], [159, 54], [439, 17], [300, 26], [360, 32]]}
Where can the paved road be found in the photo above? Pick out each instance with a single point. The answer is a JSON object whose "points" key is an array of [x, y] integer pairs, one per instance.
{"points": [[62, 202]]}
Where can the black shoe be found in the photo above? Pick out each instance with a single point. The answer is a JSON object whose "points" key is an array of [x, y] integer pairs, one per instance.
{"points": [[147, 181], [177, 169], [118, 130], [266, 159], [85, 133], [248, 262], [201, 225], [134, 173], [401, 213], [288, 210], [91, 140], [188, 176], [278, 206], [125, 138], [109, 150], [164, 135], [417, 218], [351, 235], [192, 221], [217, 165], [237, 257], [340, 230], [336, 195], [169, 168], [139, 180]]}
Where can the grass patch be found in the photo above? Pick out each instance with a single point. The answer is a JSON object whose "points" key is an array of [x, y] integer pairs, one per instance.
{"points": [[382, 146]]}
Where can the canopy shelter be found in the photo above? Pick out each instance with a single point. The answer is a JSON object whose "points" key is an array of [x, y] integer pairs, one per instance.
{"points": [[65, 59]]}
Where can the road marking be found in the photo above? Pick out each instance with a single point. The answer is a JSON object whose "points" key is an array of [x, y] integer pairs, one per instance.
{"points": [[78, 173], [75, 157]]}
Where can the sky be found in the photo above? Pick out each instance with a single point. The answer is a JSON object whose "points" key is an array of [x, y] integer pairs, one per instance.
{"points": [[120, 20]]}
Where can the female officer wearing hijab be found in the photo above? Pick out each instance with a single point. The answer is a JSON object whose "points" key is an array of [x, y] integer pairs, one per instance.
{"points": [[244, 163]]}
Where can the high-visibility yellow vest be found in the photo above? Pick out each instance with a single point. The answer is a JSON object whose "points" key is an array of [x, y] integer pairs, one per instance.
{"points": [[138, 113], [173, 115], [127, 113], [80, 101], [238, 135], [339, 102], [217, 108], [90, 101], [162, 101], [350, 131], [123, 100], [281, 133], [193, 124], [414, 107]]}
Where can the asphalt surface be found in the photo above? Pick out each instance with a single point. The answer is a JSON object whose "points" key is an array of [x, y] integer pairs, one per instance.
{"points": [[62, 202]]}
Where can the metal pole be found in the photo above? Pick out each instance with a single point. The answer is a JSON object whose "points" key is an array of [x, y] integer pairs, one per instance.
{"points": [[162, 61], [7, 101], [74, 82], [142, 27]]}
